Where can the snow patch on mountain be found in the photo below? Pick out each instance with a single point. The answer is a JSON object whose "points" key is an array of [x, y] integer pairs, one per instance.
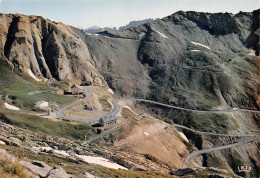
{"points": [[195, 50], [184, 136], [100, 161], [8, 106], [202, 45], [163, 35], [32, 75]]}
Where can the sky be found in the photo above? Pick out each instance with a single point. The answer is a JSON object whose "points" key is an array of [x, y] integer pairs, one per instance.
{"points": [[104, 13]]}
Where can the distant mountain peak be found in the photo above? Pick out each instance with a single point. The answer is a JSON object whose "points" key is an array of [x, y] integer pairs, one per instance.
{"points": [[97, 29], [135, 23]]}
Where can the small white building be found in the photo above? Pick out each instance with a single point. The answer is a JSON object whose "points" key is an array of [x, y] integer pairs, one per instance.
{"points": [[75, 89]]}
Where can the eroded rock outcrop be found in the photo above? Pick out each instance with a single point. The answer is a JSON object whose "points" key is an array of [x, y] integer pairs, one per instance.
{"points": [[44, 49]]}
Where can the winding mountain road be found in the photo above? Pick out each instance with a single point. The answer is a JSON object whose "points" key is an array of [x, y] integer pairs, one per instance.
{"points": [[210, 133], [89, 91], [197, 153], [191, 110]]}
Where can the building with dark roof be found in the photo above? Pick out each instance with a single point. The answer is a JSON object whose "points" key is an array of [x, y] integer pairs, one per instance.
{"points": [[107, 120], [75, 89]]}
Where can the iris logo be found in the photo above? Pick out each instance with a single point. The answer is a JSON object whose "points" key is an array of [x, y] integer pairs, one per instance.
{"points": [[244, 168]]}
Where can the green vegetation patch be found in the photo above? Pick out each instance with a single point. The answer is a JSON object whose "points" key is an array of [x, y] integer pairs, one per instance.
{"points": [[130, 116], [20, 86], [131, 120], [215, 161], [105, 104], [244, 64], [235, 123], [1, 101], [204, 173], [106, 172], [202, 58], [204, 100], [208, 122], [61, 128], [235, 160]]}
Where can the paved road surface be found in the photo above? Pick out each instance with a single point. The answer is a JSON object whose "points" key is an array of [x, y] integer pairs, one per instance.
{"points": [[183, 127], [191, 110], [197, 153], [210, 133], [88, 92]]}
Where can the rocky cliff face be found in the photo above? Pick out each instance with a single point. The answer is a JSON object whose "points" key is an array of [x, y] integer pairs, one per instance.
{"points": [[190, 59], [194, 60], [184, 53], [46, 49]]}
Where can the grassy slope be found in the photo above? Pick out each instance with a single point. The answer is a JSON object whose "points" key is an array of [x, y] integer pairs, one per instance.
{"points": [[104, 102], [61, 128], [19, 86]]}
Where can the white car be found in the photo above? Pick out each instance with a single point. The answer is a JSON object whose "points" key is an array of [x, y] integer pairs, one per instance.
{"points": [[235, 108]]}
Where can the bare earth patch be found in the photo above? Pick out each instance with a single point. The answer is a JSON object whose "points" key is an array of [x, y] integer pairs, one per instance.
{"points": [[146, 135]]}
